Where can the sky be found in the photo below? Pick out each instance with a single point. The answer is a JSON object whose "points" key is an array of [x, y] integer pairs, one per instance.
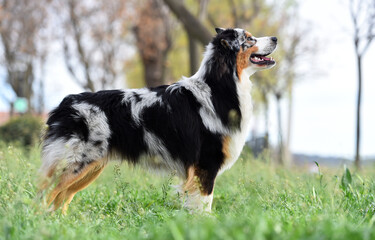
{"points": [[325, 104], [323, 100]]}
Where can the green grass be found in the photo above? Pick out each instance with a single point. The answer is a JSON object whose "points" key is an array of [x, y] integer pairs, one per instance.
{"points": [[253, 200]]}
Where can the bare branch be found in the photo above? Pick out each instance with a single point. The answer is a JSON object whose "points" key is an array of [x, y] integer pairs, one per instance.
{"points": [[89, 85], [68, 64], [368, 43], [20, 33], [92, 41]]}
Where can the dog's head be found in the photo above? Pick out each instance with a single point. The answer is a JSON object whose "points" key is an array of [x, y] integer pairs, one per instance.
{"points": [[251, 52]]}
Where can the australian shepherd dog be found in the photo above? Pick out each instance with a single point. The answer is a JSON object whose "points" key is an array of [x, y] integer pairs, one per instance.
{"points": [[195, 127]]}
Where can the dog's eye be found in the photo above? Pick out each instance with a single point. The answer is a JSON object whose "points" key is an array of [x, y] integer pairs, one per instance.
{"points": [[250, 39]]}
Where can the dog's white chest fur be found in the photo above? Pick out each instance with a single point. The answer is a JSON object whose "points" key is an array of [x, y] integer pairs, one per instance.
{"points": [[237, 140]]}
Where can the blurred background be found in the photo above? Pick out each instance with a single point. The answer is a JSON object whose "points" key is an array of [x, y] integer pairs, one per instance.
{"points": [[316, 104]]}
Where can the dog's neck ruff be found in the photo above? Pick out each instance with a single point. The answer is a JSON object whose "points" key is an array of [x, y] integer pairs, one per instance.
{"points": [[205, 66], [215, 87]]}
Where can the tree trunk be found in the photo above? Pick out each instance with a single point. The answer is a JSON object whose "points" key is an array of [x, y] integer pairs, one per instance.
{"points": [[154, 72], [358, 132], [41, 99], [193, 26], [193, 55], [11, 109], [77, 36], [193, 43], [280, 132], [153, 41], [20, 80], [288, 158], [266, 122]]}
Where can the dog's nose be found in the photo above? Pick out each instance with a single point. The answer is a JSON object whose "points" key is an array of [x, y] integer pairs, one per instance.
{"points": [[274, 39]]}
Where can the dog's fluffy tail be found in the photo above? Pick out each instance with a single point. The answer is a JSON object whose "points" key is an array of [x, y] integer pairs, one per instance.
{"points": [[77, 133]]}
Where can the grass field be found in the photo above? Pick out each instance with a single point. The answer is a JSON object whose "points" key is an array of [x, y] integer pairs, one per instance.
{"points": [[253, 200]]}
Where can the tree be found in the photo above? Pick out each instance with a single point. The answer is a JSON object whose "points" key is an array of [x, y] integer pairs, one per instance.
{"points": [[246, 14], [194, 28], [290, 52], [363, 18], [153, 40], [92, 36], [192, 24], [21, 24], [194, 54]]}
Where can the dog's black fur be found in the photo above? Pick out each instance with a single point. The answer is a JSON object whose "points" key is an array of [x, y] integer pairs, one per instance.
{"points": [[170, 122]]}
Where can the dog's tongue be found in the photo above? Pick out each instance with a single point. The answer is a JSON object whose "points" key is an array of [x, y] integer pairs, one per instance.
{"points": [[266, 58]]}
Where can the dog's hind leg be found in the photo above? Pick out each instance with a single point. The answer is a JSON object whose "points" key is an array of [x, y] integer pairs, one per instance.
{"points": [[70, 175], [81, 184], [59, 199], [45, 181]]}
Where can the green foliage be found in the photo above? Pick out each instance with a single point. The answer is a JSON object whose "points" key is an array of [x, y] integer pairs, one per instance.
{"points": [[253, 200], [346, 179], [24, 130]]}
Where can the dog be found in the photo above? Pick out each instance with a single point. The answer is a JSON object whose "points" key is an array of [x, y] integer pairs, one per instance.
{"points": [[195, 127]]}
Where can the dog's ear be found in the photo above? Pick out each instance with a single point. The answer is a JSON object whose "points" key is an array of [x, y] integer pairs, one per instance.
{"points": [[225, 43], [231, 45], [219, 30]]}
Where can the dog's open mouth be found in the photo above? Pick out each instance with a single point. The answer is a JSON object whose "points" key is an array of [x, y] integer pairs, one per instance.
{"points": [[261, 59]]}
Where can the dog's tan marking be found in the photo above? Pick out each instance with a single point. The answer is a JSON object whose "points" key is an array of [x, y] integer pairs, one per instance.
{"points": [[44, 182], [192, 181], [243, 59], [197, 198], [68, 179], [198, 179], [226, 142], [81, 184], [59, 199]]}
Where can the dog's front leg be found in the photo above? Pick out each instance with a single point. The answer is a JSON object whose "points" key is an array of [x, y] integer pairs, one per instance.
{"points": [[198, 189]]}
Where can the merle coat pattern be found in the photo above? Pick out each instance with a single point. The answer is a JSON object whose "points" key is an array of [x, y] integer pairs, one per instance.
{"points": [[195, 127]]}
